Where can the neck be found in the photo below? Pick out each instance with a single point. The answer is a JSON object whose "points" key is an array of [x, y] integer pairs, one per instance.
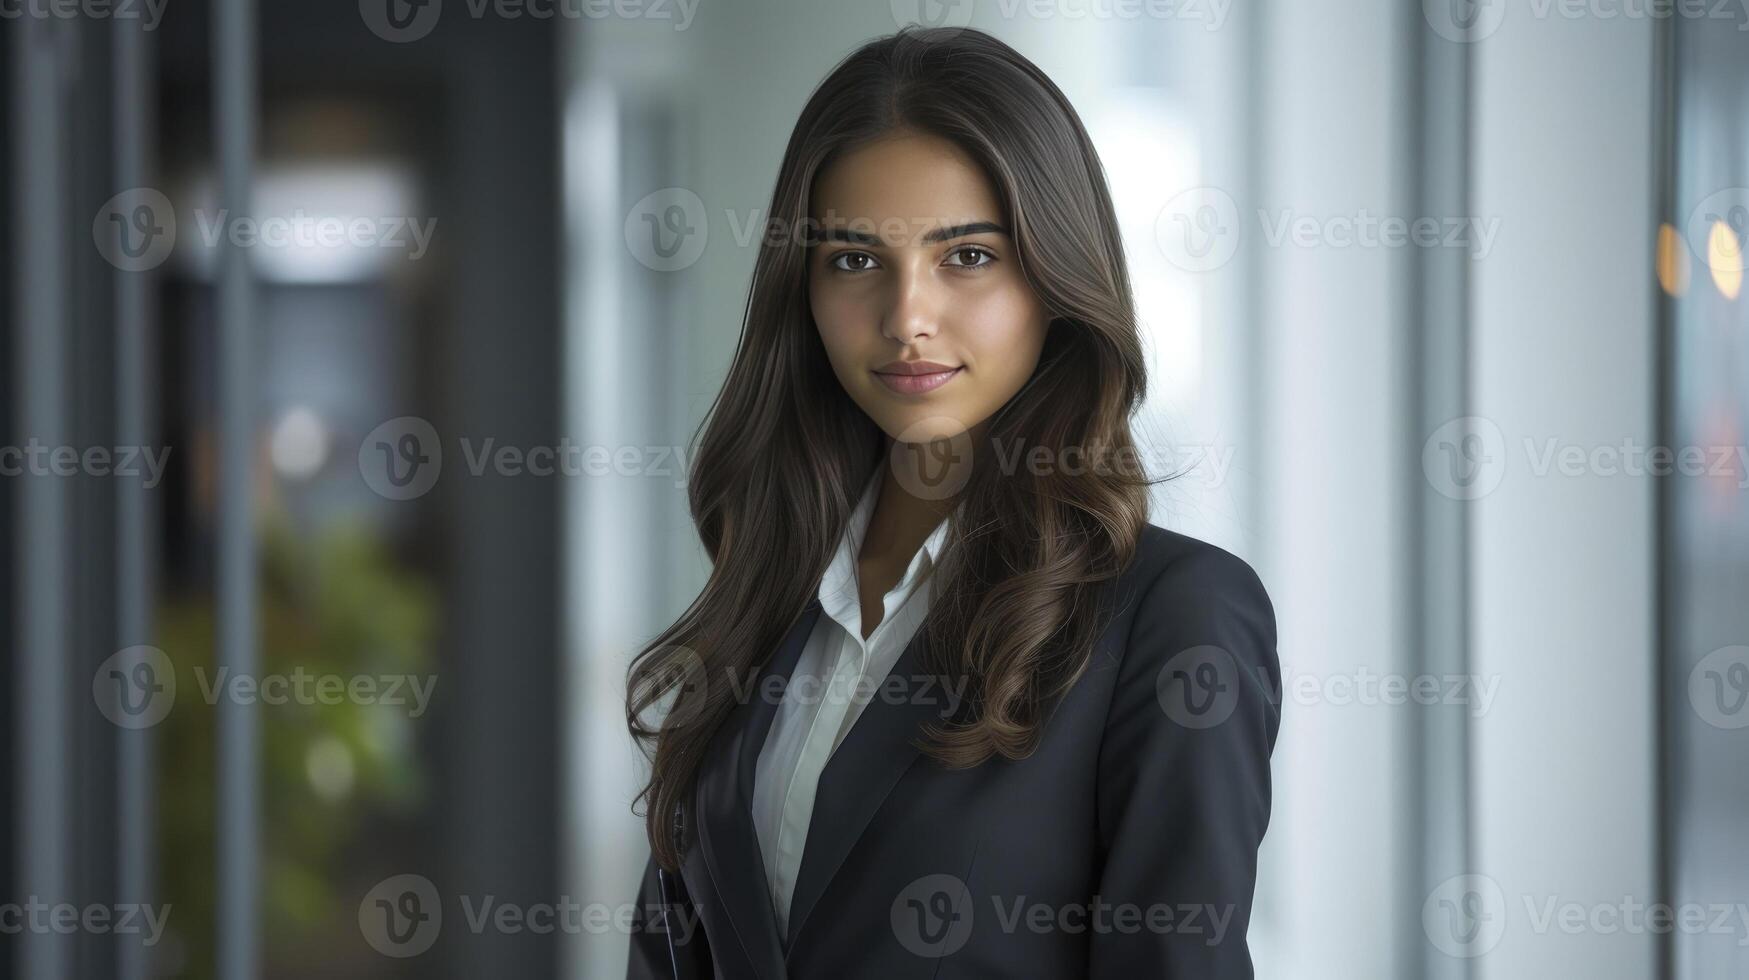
{"points": [[920, 485]]}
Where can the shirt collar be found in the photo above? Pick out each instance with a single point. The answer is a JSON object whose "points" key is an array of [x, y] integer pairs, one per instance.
{"points": [[838, 592]]}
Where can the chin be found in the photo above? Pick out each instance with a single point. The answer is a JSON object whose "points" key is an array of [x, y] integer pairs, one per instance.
{"points": [[926, 427]]}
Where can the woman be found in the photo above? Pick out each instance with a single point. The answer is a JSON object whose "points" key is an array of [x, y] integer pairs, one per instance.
{"points": [[948, 705]]}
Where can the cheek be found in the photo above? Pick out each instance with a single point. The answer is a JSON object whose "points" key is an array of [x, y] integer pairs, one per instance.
{"points": [[842, 321], [1003, 331]]}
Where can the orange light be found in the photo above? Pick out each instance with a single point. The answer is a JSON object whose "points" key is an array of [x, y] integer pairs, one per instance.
{"points": [[1673, 261]]}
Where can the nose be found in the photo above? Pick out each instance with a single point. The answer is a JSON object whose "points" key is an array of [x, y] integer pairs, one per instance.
{"points": [[915, 310]]}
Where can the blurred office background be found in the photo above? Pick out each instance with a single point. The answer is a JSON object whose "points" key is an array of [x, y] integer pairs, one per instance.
{"points": [[1424, 289]]}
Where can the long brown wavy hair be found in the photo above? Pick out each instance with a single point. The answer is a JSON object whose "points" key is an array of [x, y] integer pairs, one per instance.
{"points": [[784, 452]]}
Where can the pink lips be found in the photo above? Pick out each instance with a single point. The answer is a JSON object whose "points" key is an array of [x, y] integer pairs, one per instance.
{"points": [[915, 377]]}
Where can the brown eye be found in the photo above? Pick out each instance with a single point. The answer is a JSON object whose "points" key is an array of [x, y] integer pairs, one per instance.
{"points": [[972, 257], [853, 261]]}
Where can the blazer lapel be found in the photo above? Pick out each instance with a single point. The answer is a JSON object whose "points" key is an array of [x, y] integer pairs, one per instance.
{"points": [[724, 801], [861, 773]]}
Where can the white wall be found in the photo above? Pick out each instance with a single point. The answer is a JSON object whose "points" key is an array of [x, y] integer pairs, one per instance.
{"points": [[1333, 399], [1563, 566]]}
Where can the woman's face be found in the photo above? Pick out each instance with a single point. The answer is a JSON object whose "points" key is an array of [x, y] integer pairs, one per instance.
{"points": [[913, 265]]}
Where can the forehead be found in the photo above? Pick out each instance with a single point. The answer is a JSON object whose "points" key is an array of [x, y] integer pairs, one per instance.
{"points": [[922, 180]]}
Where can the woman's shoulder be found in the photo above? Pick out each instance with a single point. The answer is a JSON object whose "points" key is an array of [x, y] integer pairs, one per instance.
{"points": [[1183, 593], [1198, 647], [1169, 563]]}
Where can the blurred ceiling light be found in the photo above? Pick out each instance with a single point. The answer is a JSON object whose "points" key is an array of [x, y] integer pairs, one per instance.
{"points": [[299, 444], [341, 221], [1725, 256], [1673, 262]]}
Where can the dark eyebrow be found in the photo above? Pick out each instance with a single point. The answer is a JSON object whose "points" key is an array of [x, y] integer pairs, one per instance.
{"points": [[853, 237], [845, 235], [960, 231]]}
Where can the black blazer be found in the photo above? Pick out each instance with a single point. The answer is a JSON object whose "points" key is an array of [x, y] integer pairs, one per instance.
{"points": [[1125, 846]]}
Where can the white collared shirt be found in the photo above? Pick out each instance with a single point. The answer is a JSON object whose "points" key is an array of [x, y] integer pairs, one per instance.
{"points": [[837, 674]]}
